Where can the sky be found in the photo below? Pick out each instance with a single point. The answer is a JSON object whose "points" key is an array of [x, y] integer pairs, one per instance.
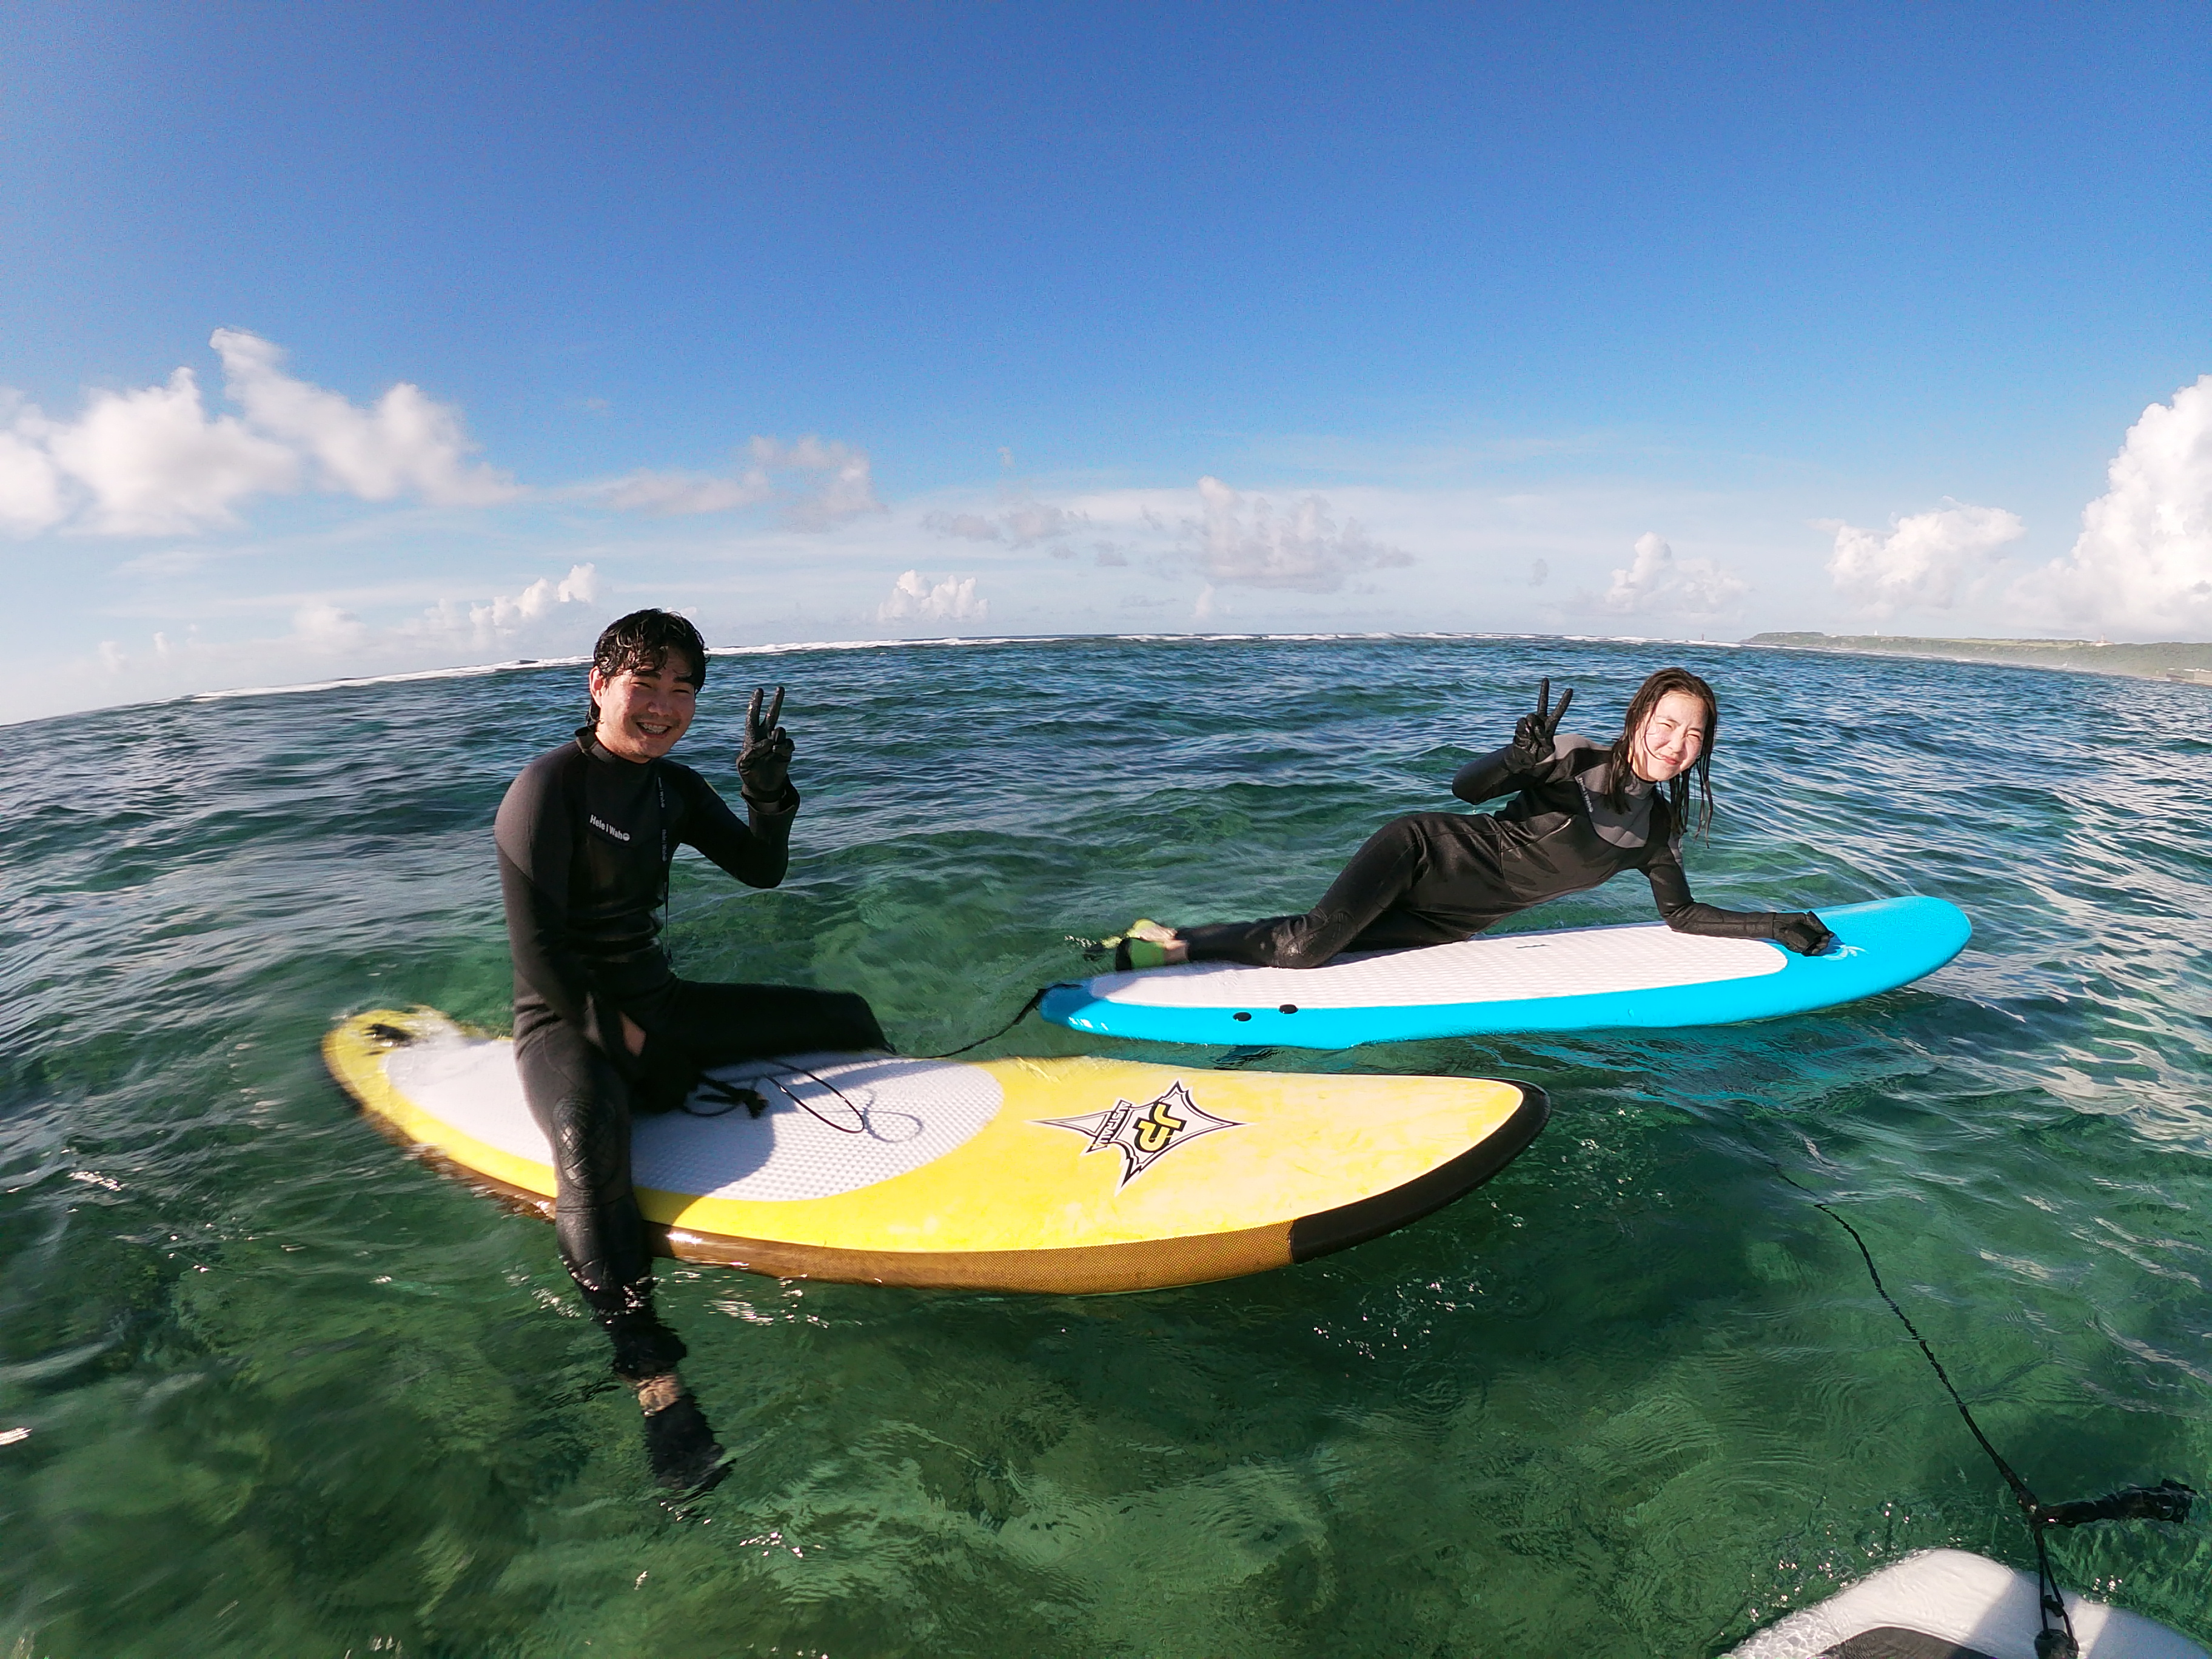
{"points": [[340, 341]]}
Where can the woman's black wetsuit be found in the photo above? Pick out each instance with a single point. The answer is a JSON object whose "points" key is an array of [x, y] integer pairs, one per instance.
{"points": [[1433, 877], [585, 843]]}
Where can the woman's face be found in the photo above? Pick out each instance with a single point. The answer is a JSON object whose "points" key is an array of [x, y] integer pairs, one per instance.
{"points": [[1672, 738]]}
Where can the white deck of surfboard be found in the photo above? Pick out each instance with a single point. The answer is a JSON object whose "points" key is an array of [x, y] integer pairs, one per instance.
{"points": [[844, 1122], [1969, 1600], [1511, 968]]}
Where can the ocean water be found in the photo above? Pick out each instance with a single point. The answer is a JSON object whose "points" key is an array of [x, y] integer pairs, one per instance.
{"points": [[266, 1386]]}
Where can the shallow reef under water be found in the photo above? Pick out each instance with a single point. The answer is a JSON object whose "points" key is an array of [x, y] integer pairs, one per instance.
{"points": [[268, 1386]]}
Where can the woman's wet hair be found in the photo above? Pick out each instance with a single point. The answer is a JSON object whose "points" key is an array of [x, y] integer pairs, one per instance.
{"points": [[640, 642], [1698, 772]]}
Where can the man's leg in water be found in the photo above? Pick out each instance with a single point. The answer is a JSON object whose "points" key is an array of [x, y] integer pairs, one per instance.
{"points": [[1420, 879], [582, 1104]]}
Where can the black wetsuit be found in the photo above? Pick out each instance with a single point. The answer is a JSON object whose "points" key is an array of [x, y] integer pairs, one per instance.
{"points": [[1433, 877], [584, 844]]}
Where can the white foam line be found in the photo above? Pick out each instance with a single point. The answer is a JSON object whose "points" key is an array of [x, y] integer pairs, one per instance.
{"points": [[471, 670], [467, 671]]}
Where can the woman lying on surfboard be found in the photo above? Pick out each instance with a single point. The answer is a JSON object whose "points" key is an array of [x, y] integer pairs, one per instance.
{"points": [[1580, 813]]}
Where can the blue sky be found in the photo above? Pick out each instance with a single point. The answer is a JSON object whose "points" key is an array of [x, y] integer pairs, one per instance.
{"points": [[835, 322]]}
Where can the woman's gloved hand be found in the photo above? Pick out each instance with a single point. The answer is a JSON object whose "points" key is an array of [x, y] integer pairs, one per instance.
{"points": [[1531, 747], [764, 763], [1804, 932]]}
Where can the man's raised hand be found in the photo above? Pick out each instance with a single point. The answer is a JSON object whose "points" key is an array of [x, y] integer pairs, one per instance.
{"points": [[764, 763], [1532, 733]]}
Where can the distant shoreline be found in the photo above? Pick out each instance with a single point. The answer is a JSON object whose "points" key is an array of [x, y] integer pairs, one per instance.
{"points": [[2175, 660]]}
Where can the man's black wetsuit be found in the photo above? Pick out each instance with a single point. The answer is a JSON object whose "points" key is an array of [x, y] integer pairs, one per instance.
{"points": [[1433, 877], [585, 843]]}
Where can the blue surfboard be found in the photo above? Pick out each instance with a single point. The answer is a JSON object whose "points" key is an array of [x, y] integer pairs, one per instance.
{"points": [[1567, 980]]}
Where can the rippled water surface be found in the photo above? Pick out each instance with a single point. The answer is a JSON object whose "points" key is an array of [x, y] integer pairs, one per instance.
{"points": [[288, 1392]]}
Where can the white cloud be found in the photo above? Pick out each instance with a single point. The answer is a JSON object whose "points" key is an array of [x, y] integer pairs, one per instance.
{"points": [[1304, 549], [968, 526], [152, 461], [1023, 524], [317, 637], [2142, 564], [324, 627], [1656, 582], [669, 493], [916, 598], [545, 610], [1923, 559], [836, 485], [30, 484], [846, 490], [405, 443]]}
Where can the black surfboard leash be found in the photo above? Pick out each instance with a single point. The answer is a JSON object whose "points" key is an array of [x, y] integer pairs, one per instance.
{"points": [[2168, 1501], [1020, 1014]]}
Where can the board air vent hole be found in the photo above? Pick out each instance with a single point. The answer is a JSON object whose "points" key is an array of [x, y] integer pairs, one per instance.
{"points": [[1241, 1014], [1288, 1008]]}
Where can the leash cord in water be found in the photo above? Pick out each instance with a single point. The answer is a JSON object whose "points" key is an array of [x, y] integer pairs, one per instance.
{"points": [[1020, 1014], [2169, 1500]]}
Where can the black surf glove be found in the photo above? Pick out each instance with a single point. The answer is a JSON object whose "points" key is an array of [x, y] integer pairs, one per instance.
{"points": [[1531, 747], [764, 763], [1803, 932]]}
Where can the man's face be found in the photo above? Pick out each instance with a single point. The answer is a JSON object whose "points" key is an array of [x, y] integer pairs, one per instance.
{"points": [[643, 711]]}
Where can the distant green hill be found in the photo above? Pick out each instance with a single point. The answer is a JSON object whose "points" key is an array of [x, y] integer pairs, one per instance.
{"points": [[2172, 660]]}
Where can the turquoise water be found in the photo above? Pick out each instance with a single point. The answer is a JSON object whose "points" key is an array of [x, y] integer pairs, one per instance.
{"points": [[288, 1392]]}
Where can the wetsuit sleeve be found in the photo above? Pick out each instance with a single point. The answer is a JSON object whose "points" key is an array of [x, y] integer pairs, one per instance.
{"points": [[535, 832], [1498, 773], [1486, 779], [756, 852], [1670, 891]]}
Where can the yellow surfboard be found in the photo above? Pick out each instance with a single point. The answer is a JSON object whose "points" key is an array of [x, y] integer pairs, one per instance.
{"points": [[1065, 1176]]}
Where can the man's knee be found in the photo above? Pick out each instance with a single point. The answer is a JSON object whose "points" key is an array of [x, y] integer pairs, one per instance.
{"points": [[590, 1139]]}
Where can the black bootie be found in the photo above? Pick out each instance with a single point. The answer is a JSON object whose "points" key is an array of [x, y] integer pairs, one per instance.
{"points": [[679, 1444]]}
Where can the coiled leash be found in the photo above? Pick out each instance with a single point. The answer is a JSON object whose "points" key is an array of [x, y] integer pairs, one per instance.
{"points": [[734, 1095], [2169, 1500]]}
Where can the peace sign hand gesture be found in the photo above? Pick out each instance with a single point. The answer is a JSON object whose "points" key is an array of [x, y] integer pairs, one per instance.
{"points": [[764, 763], [1532, 735]]}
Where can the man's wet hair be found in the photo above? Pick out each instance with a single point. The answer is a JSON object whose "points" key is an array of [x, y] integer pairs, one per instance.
{"points": [[641, 642]]}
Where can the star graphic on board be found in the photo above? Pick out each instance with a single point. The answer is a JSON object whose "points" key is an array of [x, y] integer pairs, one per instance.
{"points": [[1144, 1133]]}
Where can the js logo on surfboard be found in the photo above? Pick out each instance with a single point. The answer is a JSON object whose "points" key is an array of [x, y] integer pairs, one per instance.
{"points": [[1144, 1133]]}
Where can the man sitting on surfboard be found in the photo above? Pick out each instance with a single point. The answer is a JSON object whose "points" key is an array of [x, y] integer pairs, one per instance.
{"points": [[1580, 814], [603, 1028]]}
